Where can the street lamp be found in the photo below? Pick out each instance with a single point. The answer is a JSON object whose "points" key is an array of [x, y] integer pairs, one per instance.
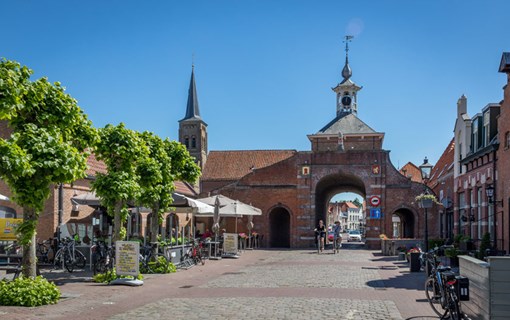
{"points": [[425, 170], [489, 191]]}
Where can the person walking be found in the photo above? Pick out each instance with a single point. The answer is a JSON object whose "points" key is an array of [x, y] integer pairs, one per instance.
{"points": [[337, 236], [321, 232]]}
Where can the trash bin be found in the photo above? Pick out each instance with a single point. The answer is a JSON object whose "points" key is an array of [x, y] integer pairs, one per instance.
{"points": [[415, 264]]}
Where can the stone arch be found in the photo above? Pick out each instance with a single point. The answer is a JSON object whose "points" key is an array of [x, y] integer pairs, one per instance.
{"points": [[332, 184], [406, 223], [279, 227]]}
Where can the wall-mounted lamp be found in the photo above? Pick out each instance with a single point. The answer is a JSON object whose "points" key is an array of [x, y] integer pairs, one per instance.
{"points": [[489, 191]]}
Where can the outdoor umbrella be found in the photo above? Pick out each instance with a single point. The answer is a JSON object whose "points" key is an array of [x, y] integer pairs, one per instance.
{"points": [[2, 197], [198, 207], [238, 209]]}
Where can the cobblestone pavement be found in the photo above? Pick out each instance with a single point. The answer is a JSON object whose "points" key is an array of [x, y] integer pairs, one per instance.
{"points": [[262, 284]]}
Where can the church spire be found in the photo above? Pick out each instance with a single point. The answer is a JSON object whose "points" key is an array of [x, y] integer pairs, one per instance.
{"points": [[192, 109], [346, 71]]}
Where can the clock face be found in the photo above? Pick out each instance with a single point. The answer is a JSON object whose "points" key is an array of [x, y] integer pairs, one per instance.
{"points": [[346, 101]]}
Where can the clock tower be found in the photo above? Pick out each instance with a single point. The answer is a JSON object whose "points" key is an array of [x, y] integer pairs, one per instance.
{"points": [[346, 91]]}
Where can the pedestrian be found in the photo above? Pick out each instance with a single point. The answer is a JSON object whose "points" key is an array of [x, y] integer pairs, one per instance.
{"points": [[320, 230], [337, 236]]}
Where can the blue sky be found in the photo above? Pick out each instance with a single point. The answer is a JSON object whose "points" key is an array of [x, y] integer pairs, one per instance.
{"points": [[265, 69]]}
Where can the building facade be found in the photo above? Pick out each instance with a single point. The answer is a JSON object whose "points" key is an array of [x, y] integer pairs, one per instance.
{"points": [[294, 188]]}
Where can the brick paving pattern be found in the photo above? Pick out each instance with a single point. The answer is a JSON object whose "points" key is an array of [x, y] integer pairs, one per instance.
{"points": [[261, 284]]}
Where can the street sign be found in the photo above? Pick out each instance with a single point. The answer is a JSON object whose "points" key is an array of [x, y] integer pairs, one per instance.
{"points": [[375, 213], [375, 201]]}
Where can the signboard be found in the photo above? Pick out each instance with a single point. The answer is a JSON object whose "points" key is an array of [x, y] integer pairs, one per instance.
{"points": [[375, 213], [7, 228], [375, 201], [376, 169], [126, 258], [230, 243]]}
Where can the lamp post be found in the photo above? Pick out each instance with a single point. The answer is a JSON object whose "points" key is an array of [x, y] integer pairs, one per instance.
{"points": [[489, 191], [425, 170]]}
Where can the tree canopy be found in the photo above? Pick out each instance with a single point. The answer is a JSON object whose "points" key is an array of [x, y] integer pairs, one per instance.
{"points": [[48, 144]]}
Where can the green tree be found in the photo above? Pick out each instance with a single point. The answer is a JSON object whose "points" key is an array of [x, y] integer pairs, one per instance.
{"points": [[48, 145], [167, 161], [357, 203], [121, 150]]}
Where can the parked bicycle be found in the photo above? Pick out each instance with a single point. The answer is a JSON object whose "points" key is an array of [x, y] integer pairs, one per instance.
{"points": [[68, 257], [150, 263], [196, 252], [44, 251], [103, 257], [440, 290]]}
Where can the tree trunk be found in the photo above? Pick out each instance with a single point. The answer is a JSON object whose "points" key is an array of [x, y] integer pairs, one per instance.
{"points": [[29, 259], [154, 229], [117, 222]]}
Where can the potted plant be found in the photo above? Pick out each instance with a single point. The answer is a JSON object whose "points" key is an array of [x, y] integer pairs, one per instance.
{"points": [[453, 254], [426, 200]]}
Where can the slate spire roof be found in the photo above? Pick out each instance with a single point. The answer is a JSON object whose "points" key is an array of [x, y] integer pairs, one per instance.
{"points": [[192, 109]]}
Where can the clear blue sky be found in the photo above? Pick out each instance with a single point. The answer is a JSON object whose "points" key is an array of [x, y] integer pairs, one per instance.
{"points": [[265, 69]]}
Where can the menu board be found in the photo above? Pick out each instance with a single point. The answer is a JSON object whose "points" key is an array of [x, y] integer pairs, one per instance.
{"points": [[230, 243], [126, 258]]}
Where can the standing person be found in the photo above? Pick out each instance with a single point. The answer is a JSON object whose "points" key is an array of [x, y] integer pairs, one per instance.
{"points": [[337, 234], [320, 230]]}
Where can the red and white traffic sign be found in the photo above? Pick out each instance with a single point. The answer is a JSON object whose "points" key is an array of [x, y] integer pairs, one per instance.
{"points": [[375, 201]]}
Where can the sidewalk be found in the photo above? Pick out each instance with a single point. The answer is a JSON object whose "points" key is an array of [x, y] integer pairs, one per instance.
{"points": [[289, 284]]}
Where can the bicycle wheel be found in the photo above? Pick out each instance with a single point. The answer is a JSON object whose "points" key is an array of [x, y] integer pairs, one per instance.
{"points": [[68, 261], [100, 266], [79, 259], [453, 306], [433, 296]]}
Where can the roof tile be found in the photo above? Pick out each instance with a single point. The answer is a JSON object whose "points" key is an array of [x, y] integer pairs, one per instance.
{"points": [[233, 165]]}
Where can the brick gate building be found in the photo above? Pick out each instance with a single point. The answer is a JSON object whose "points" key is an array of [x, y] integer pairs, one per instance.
{"points": [[293, 188]]}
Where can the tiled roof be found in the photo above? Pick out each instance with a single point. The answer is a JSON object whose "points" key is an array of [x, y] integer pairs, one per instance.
{"points": [[346, 124], [351, 205], [444, 164], [233, 165], [95, 165], [410, 170], [185, 189]]}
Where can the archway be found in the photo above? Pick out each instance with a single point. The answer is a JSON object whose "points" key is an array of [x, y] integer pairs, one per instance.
{"points": [[403, 224], [279, 222], [334, 184]]}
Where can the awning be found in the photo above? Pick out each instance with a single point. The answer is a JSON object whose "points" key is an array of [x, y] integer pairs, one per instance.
{"points": [[87, 199], [232, 208], [195, 206], [2, 197]]}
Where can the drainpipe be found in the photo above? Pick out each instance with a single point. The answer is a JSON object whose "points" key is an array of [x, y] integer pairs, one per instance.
{"points": [[60, 208]]}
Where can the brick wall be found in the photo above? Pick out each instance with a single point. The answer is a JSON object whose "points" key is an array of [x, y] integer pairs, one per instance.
{"points": [[503, 169]]}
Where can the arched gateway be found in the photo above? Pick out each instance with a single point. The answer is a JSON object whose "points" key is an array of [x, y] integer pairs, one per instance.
{"points": [[293, 188]]}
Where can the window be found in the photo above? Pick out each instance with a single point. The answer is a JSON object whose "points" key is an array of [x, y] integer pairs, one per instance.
{"points": [[474, 145], [486, 131], [507, 140], [186, 142], [193, 142], [479, 211]]}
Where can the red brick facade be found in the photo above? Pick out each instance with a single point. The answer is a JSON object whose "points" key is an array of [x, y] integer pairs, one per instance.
{"points": [[503, 181]]}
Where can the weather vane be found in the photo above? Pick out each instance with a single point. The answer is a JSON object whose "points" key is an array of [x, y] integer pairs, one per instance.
{"points": [[346, 41]]}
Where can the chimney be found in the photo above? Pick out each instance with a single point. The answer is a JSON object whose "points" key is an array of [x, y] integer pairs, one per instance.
{"points": [[461, 105]]}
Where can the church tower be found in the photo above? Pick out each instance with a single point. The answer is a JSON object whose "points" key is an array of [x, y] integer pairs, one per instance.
{"points": [[192, 129], [346, 91]]}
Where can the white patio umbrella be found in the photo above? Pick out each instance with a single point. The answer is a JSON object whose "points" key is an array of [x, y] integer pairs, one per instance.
{"points": [[200, 208], [2, 197], [238, 209]]}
